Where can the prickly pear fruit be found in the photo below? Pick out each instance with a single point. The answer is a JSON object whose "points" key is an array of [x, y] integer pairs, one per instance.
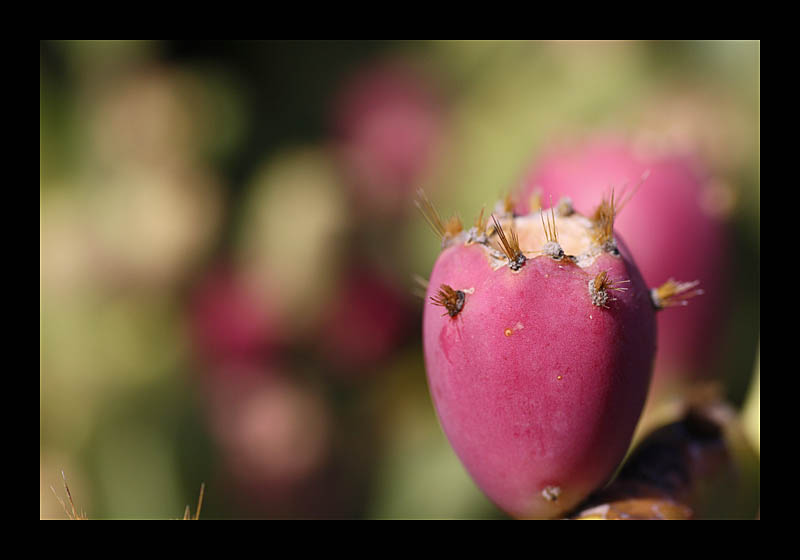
{"points": [[674, 226], [539, 337], [368, 320], [389, 125], [228, 321]]}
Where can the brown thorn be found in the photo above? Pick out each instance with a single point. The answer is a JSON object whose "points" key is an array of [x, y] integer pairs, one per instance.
{"points": [[550, 231], [60, 501], [508, 202], [200, 500], [453, 226], [452, 300], [672, 293], [599, 287], [480, 223], [428, 211], [603, 218], [74, 514], [511, 249], [187, 513]]}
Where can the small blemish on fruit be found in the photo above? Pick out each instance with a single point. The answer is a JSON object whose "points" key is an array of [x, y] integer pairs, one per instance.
{"points": [[507, 332], [560, 377], [551, 493]]}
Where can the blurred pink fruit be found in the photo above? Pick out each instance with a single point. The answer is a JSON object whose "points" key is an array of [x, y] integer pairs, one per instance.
{"points": [[368, 319], [387, 126], [673, 225], [228, 321], [539, 343], [273, 433]]}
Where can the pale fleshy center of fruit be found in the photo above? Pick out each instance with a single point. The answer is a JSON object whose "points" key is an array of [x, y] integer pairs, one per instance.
{"points": [[541, 233]]}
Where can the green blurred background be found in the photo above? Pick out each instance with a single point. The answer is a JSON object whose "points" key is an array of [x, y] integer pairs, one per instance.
{"points": [[181, 182]]}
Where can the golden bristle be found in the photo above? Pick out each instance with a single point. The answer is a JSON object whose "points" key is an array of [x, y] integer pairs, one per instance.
{"points": [[187, 513], [600, 281], [536, 201], [599, 287], [550, 231], [603, 219], [608, 210], [480, 223], [430, 214], [626, 199], [72, 513], [509, 248], [672, 293], [508, 202], [453, 226], [603, 282]]}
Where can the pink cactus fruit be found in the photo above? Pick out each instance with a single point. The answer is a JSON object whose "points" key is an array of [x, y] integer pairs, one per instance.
{"points": [[229, 323], [369, 317], [539, 336], [273, 436], [674, 227], [387, 127]]}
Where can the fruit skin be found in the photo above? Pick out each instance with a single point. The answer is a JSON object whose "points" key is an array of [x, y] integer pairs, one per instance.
{"points": [[535, 387], [672, 227]]}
